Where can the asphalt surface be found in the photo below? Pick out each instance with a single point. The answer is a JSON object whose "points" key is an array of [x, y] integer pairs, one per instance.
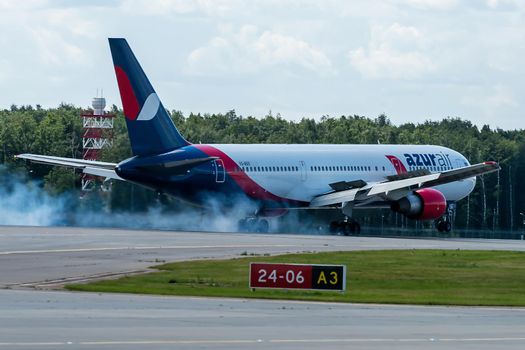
{"points": [[34, 258], [56, 320], [43, 256]]}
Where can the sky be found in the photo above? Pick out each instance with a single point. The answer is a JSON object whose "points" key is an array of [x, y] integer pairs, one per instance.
{"points": [[413, 60]]}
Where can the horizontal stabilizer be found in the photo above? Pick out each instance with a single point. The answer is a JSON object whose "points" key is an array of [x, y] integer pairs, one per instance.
{"points": [[67, 162], [92, 167]]}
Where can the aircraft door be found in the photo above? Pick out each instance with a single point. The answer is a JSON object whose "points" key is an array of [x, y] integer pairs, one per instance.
{"points": [[220, 175], [302, 169]]}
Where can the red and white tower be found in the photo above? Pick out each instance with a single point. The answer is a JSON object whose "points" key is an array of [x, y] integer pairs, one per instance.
{"points": [[98, 134]]}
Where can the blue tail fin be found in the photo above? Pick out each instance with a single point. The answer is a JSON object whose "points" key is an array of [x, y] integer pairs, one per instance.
{"points": [[150, 128]]}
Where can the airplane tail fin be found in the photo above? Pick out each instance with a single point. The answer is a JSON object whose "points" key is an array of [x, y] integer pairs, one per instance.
{"points": [[150, 128]]}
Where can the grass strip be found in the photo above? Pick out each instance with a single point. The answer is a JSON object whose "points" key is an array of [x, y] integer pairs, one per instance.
{"points": [[430, 277]]}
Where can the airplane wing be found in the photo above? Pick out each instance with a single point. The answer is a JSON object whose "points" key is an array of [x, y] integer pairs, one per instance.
{"points": [[399, 185], [91, 167]]}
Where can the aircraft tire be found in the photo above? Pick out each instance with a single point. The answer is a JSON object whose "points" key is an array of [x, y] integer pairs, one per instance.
{"points": [[263, 226], [443, 226]]}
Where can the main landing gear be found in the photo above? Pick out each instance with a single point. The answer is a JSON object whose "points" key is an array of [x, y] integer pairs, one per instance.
{"points": [[444, 224], [346, 227], [253, 224]]}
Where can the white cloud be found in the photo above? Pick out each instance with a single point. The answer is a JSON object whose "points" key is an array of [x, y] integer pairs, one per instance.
{"points": [[431, 4], [418, 57], [54, 49], [493, 99], [5, 70], [170, 7], [16, 5], [495, 105], [392, 53], [71, 21], [249, 50], [510, 5], [501, 97]]}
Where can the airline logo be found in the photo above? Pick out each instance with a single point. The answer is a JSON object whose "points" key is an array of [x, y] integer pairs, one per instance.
{"points": [[130, 102], [150, 108], [398, 165], [428, 159]]}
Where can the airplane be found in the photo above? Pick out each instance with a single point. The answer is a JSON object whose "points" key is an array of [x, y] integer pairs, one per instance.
{"points": [[421, 182]]}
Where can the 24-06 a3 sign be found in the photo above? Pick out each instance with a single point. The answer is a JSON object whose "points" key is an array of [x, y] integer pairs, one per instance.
{"points": [[298, 276]]}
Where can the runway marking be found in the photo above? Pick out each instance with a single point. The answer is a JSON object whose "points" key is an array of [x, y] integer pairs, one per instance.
{"points": [[388, 340], [167, 342], [254, 341], [34, 344], [76, 250]]}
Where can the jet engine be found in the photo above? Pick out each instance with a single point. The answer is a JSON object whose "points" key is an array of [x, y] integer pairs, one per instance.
{"points": [[423, 204]]}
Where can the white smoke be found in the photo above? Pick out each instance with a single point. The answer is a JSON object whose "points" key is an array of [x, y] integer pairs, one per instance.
{"points": [[24, 202], [212, 217], [28, 205]]}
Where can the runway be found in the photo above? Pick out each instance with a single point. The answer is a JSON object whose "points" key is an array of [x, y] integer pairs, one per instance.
{"points": [[45, 256], [55, 320], [33, 259]]}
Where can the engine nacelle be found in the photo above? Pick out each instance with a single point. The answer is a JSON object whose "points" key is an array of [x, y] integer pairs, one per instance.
{"points": [[423, 204]]}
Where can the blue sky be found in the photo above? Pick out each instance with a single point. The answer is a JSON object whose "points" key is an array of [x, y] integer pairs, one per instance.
{"points": [[410, 59]]}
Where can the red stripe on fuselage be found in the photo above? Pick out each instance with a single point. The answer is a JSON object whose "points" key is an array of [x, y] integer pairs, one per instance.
{"points": [[250, 187], [129, 99]]}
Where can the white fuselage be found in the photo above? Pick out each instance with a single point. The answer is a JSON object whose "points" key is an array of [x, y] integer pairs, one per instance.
{"points": [[301, 172]]}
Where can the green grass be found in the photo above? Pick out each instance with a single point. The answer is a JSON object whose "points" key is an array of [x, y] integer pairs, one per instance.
{"points": [[444, 277]]}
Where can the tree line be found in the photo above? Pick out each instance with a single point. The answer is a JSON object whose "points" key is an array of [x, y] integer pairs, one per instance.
{"points": [[496, 202]]}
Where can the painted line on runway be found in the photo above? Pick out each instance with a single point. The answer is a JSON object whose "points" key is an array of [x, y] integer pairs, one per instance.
{"points": [[77, 250], [168, 342], [389, 340], [254, 341], [35, 344]]}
